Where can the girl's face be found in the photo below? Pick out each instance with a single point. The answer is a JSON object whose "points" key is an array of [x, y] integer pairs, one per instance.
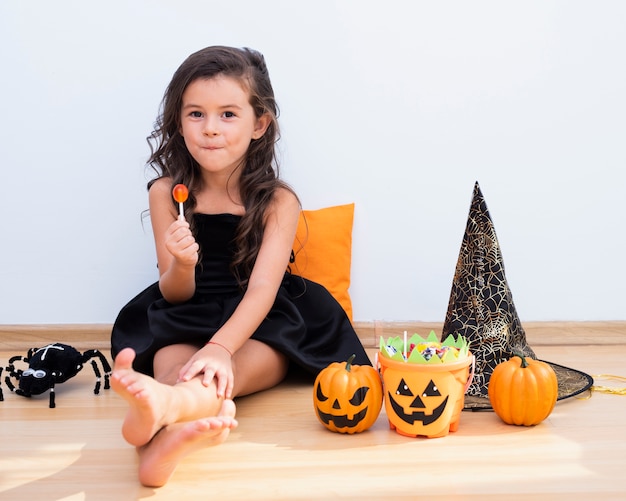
{"points": [[218, 123]]}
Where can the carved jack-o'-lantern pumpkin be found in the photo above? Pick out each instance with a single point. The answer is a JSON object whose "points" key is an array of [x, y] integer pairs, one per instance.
{"points": [[347, 398], [424, 399]]}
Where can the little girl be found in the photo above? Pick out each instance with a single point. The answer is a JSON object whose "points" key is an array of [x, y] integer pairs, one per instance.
{"points": [[225, 318]]}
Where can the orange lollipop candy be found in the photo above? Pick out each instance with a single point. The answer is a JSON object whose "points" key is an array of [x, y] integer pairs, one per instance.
{"points": [[180, 194]]}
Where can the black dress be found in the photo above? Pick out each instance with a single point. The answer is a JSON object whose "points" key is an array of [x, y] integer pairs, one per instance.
{"points": [[305, 323]]}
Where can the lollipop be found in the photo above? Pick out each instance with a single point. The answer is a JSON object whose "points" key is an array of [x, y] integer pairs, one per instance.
{"points": [[180, 194]]}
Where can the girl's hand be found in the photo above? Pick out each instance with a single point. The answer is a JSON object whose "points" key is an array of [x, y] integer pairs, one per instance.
{"points": [[213, 361], [180, 242]]}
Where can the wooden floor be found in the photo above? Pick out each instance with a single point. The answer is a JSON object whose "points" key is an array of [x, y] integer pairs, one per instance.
{"points": [[280, 451]]}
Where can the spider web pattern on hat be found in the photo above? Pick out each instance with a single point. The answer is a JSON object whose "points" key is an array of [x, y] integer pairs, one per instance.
{"points": [[481, 309]]}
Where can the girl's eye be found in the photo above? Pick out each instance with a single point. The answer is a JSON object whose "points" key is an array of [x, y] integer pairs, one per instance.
{"points": [[229, 114], [195, 114]]}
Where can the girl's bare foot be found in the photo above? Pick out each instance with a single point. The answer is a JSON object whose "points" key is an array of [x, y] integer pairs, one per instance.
{"points": [[148, 399], [159, 458]]}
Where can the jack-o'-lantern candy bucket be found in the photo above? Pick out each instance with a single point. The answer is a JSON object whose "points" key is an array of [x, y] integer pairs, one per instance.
{"points": [[424, 383]]}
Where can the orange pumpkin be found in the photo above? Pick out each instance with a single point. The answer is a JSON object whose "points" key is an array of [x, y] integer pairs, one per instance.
{"points": [[347, 398], [523, 393]]}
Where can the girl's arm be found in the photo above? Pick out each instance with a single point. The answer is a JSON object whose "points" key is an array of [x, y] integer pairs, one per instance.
{"points": [[176, 248], [267, 275]]}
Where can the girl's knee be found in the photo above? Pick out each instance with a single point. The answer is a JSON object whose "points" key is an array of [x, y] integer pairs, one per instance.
{"points": [[170, 360], [257, 366]]}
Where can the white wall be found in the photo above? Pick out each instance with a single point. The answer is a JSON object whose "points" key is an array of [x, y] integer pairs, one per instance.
{"points": [[398, 106]]}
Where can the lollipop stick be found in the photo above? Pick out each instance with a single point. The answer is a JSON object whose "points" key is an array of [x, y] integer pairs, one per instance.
{"points": [[404, 345], [181, 210]]}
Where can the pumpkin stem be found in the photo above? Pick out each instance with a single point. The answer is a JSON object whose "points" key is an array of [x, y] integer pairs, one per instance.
{"points": [[524, 362], [349, 362]]}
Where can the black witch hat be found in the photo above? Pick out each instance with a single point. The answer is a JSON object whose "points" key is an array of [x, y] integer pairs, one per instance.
{"points": [[481, 309]]}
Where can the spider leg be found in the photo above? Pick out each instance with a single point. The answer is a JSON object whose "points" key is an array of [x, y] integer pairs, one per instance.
{"points": [[98, 374], [17, 358], [106, 367], [52, 392], [52, 400], [9, 383], [12, 372]]}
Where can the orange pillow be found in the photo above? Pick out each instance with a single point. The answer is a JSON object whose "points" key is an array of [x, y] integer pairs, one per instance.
{"points": [[323, 250]]}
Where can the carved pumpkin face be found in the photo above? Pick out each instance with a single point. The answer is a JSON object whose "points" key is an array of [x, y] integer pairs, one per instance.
{"points": [[426, 407], [424, 400], [347, 398]]}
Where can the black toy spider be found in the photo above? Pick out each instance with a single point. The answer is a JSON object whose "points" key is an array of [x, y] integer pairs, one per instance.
{"points": [[51, 365]]}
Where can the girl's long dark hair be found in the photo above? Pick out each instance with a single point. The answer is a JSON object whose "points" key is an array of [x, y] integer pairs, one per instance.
{"points": [[259, 175]]}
